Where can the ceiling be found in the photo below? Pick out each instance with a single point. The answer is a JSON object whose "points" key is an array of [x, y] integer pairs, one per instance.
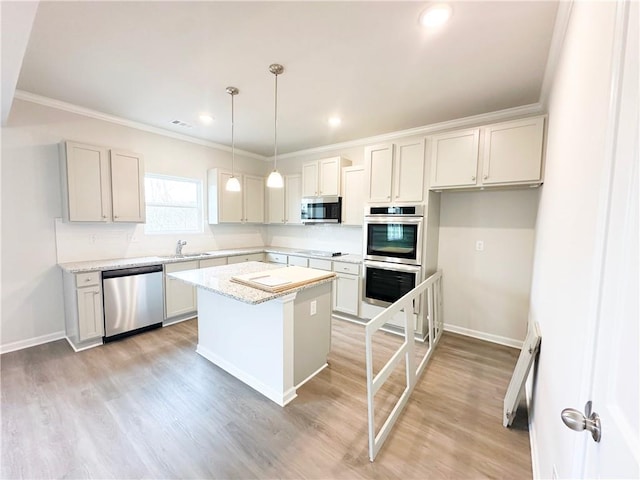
{"points": [[371, 63]]}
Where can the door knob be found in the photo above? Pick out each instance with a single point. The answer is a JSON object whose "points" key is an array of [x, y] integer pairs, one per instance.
{"points": [[578, 421]]}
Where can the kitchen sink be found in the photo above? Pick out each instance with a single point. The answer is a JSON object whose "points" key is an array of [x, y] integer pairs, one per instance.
{"points": [[189, 255]]}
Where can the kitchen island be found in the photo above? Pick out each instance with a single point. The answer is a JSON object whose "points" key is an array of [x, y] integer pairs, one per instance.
{"points": [[273, 342]]}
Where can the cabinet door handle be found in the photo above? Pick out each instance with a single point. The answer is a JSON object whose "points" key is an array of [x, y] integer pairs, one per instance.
{"points": [[115, 216], [485, 177], [388, 197], [473, 177], [104, 216]]}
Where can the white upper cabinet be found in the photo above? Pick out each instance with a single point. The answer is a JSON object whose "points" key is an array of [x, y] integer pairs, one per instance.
{"points": [[395, 172], [245, 206], [284, 203], [253, 198], [352, 195], [408, 173], [322, 177], [513, 152], [455, 158], [507, 153], [100, 185], [127, 186]]}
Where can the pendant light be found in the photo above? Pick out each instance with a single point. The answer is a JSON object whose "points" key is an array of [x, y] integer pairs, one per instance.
{"points": [[233, 184], [275, 179]]}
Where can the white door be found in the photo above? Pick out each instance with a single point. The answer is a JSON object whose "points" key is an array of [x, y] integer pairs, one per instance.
{"points": [[615, 382]]}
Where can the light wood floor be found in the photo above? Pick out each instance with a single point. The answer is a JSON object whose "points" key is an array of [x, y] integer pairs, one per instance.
{"points": [[150, 407]]}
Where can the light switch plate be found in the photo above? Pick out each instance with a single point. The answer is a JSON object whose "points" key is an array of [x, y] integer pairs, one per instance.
{"points": [[479, 246]]}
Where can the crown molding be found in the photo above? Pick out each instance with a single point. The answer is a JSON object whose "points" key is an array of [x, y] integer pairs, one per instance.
{"points": [[555, 49], [69, 107], [472, 121]]}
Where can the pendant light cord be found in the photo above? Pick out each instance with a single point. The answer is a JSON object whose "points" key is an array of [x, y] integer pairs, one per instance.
{"points": [[275, 128], [233, 143]]}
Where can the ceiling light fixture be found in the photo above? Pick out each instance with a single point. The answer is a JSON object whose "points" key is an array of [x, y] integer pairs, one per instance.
{"points": [[436, 15], [275, 179], [233, 184], [335, 121]]}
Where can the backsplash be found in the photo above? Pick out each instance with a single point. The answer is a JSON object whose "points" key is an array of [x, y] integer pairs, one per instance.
{"points": [[333, 238], [78, 242]]}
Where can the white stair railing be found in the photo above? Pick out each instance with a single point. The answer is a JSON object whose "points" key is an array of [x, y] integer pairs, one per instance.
{"points": [[432, 289]]}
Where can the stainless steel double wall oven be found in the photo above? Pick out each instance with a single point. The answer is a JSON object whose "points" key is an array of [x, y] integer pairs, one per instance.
{"points": [[393, 252]]}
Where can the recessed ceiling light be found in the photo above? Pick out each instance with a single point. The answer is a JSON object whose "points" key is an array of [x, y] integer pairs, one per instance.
{"points": [[206, 119], [335, 121], [436, 15]]}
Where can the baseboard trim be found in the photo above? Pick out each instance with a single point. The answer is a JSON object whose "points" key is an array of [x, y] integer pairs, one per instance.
{"points": [[281, 398], [311, 376], [31, 342], [533, 443], [509, 342]]}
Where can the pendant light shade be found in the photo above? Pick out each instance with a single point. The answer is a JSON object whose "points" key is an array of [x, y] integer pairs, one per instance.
{"points": [[233, 184], [275, 179]]}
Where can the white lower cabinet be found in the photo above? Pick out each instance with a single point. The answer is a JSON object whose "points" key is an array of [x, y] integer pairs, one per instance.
{"points": [[298, 261], [275, 258], [179, 297], [251, 257], [213, 262], [346, 288], [84, 319]]}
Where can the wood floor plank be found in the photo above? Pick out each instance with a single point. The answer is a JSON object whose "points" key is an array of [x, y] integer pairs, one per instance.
{"points": [[150, 407]]}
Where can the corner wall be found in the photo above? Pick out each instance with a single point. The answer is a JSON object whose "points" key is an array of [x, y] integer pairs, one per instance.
{"points": [[564, 269], [486, 293]]}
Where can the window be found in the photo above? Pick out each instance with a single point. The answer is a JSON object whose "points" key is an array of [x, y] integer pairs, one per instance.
{"points": [[174, 204]]}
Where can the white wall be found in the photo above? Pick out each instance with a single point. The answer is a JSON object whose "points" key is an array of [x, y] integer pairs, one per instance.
{"points": [[566, 231], [31, 281], [486, 293]]}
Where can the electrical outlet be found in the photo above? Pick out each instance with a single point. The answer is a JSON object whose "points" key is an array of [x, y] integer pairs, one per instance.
{"points": [[479, 246], [314, 306]]}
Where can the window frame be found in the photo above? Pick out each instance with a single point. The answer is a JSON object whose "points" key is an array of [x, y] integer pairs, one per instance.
{"points": [[199, 203]]}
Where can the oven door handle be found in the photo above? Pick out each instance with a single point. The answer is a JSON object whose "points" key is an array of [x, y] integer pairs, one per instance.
{"points": [[393, 267]]}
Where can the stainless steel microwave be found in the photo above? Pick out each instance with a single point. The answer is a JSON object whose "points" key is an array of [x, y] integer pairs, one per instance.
{"points": [[321, 210]]}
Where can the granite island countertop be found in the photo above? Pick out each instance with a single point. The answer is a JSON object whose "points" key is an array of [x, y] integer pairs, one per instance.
{"points": [[218, 280], [117, 263]]}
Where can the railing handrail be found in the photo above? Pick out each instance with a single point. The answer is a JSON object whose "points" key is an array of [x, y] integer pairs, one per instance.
{"points": [[432, 288]]}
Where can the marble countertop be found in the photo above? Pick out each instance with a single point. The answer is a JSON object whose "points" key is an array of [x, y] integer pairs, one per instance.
{"points": [[218, 280], [116, 263]]}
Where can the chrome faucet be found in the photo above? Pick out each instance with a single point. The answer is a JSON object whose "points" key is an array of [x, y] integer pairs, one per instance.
{"points": [[179, 245]]}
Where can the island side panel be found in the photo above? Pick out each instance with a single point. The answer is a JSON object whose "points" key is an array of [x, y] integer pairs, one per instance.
{"points": [[312, 332], [254, 343]]}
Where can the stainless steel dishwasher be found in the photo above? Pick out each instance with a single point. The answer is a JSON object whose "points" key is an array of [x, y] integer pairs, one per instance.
{"points": [[132, 300]]}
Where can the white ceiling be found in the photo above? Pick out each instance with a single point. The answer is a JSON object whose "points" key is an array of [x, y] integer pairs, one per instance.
{"points": [[369, 62]]}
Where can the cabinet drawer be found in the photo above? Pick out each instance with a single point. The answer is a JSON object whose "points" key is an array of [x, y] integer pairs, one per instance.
{"points": [[320, 264], [213, 262], [299, 261], [253, 257], [181, 266], [87, 279], [343, 267], [276, 258]]}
